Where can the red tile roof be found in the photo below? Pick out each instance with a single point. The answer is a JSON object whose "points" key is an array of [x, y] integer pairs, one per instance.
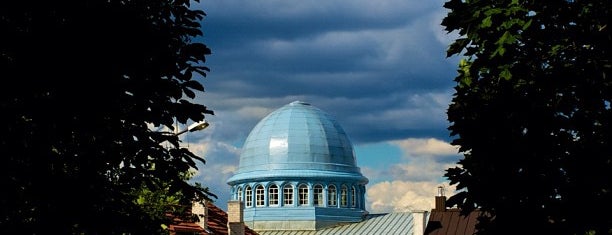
{"points": [[217, 221], [186, 227], [216, 224]]}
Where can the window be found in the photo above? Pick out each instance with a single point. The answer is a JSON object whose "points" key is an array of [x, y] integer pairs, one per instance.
{"points": [[259, 195], [303, 191], [288, 195], [343, 195], [353, 197], [239, 194], [249, 196], [273, 195], [318, 195], [332, 195]]}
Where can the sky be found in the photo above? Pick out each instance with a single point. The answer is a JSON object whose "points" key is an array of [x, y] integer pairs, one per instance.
{"points": [[379, 67]]}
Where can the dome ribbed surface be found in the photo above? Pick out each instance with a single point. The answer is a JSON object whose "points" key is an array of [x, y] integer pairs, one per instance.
{"points": [[297, 139]]}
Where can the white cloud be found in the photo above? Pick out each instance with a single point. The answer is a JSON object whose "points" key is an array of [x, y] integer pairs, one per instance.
{"points": [[403, 196], [420, 170], [221, 163], [412, 183], [415, 147], [426, 159]]}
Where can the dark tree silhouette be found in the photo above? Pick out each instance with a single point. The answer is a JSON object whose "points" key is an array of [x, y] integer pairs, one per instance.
{"points": [[83, 83], [532, 114]]}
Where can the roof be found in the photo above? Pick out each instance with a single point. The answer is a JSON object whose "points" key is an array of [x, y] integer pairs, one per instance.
{"points": [[186, 227], [297, 140], [216, 224], [450, 221], [387, 224], [217, 221]]}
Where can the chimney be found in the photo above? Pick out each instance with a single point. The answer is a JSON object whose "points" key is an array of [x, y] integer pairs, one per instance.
{"points": [[235, 222], [440, 200], [420, 222], [201, 210]]}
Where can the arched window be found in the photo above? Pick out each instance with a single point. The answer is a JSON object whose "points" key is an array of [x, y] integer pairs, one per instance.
{"points": [[303, 192], [239, 194], [318, 195], [332, 195], [273, 195], [353, 197], [259, 195], [288, 195], [343, 195], [249, 196]]}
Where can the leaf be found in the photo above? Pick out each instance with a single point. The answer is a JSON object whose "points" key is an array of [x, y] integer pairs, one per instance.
{"points": [[486, 22], [454, 4], [457, 46], [506, 38], [202, 67], [193, 84], [500, 50], [189, 93], [505, 74], [527, 24], [201, 71]]}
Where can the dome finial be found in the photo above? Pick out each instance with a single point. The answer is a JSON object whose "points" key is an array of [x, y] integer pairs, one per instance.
{"points": [[299, 102]]}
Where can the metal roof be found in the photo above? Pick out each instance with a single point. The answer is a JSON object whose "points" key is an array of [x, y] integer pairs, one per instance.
{"points": [[452, 222], [396, 223], [297, 139]]}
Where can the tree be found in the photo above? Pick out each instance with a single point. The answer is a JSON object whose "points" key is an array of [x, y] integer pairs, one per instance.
{"points": [[85, 83], [532, 114], [164, 207]]}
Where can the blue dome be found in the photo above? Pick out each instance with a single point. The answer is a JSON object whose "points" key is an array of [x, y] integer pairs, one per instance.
{"points": [[297, 171], [297, 140]]}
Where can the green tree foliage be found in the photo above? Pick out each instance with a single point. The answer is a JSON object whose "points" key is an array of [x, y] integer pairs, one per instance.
{"points": [[532, 114], [84, 84], [164, 207]]}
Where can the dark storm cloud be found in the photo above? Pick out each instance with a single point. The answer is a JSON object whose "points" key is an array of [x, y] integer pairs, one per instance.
{"points": [[379, 67], [240, 19]]}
